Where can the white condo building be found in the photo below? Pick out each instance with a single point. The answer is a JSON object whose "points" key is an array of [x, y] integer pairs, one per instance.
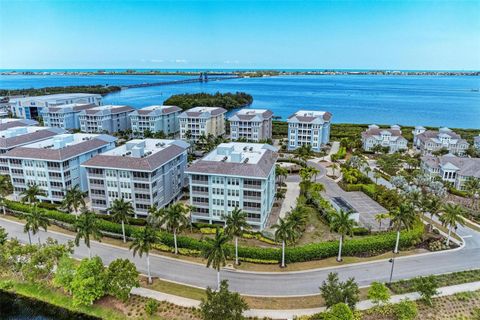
{"points": [[253, 125], [19, 136], [156, 119], [200, 121], [306, 127], [451, 168], [234, 175], [391, 138], [65, 116], [107, 118], [145, 172], [54, 164], [428, 141], [32, 107], [476, 142]]}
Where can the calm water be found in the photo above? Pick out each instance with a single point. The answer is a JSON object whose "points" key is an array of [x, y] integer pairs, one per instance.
{"points": [[13, 307], [412, 100]]}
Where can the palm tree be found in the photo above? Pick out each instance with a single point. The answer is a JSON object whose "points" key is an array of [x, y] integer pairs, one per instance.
{"points": [[174, 219], [405, 217], [281, 172], [341, 222], [472, 187], [142, 243], [34, 221], [74, 199], [380, 217], [285, 233], [432, 205], [298, 219], [452, 215], [5, 189], [377, 176], [235, 224], [217, 252], [87, 226], [31, 194], [121, 211], [334, 167]]}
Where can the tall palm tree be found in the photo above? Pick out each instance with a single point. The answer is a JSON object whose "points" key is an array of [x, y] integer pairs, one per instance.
{"points": [[451, 216], [217, 252], [34, 221], [31, 194], [432, 205], [74, 199], [142, 243], [235, 224], [472, 187], [403, 216], [341, 222], [173, 219], [376, 176], [298, 220], [334, 167], [285, 233], [121, 210], [281, 173], [5, 189], [87, 226]]}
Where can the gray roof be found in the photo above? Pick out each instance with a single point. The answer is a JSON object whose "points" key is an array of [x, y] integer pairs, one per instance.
{"points": [[60, 154], [73, 108], [432, 135], [154, 112], [259, 170], [377, 132], [469, 167], [103, 111], [22, 139], [327, 116], [202, 112], [17, 123], [148, 163], [267, 114]]}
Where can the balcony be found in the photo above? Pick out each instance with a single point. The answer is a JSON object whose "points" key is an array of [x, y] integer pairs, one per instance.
{"points": [[200, 214], [252, 209], [200, 204], [253, 198], [202, 182]]}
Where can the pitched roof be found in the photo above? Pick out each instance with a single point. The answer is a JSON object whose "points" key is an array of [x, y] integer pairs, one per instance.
{"points": [[156, 110], [107, 109], [22, 139], [148, 163], [62, 154], [4, 125], [251, 114], [469, 167], [259, 170], [310, 116], [202, 112]]}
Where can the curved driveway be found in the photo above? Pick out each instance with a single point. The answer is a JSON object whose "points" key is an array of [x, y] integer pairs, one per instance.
{"points": [[281, 284]]}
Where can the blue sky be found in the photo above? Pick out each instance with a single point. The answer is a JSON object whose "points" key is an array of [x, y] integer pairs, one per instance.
{"points": [[250, 34]]}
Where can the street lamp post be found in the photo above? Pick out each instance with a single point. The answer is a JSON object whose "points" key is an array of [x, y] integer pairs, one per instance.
{"points": [[392, 261]]}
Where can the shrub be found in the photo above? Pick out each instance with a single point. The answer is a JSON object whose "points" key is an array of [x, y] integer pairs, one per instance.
{"points": [[89, 281], [378, 293], [427, 287], [122, 276], [223, 304], [334, 291], [151, 306], [406, 310], [340, 311]]}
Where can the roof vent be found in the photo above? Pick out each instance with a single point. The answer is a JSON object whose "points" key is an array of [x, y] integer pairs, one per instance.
{"points": [[246, 160], [224, 159]]}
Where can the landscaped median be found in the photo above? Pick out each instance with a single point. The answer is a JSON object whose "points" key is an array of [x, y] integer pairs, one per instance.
{"points": [[365, 246]]}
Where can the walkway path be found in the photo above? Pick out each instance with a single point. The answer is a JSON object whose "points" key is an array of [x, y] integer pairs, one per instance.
{"points": [[279, 283]]}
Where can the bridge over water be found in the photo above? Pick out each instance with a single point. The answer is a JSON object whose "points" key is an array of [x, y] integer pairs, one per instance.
{"points": [[204, 77]]}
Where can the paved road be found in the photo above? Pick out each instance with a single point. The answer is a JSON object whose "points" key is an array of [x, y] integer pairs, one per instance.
{"points": [[281, 284]]}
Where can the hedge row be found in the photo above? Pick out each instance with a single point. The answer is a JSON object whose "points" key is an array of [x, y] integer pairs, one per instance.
{"points": [[369, 245]]}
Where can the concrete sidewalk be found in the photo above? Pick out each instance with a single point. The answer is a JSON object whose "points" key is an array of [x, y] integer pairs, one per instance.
{"points": [[290, 314]]}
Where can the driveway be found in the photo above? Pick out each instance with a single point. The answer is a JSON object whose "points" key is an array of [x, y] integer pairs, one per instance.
{"points": [[285, 283]]}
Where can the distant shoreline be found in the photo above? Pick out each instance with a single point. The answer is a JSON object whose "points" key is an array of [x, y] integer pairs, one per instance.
{"points": [[241, 73]]}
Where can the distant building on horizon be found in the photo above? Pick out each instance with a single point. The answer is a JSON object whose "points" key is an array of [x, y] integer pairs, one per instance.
{"points": [[145, 172], [308, 127], [451, 168], [390, 138], [105, 119], [429, 141], [200, 121], [156, 119], [234, 175], [32, 107], [252, 125], [54, 164]]}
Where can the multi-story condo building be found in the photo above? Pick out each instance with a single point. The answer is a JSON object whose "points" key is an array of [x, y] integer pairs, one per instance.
{"points": [[156, 119], [200, 121], [145, 172], [65, 116], [309, 128], [54, 164], [7, 123], [391, 138], [234, 175], [476, 142], [253, 125], [451, 168], [32, 107], [107, 118], [428, 141], [19, 136]]}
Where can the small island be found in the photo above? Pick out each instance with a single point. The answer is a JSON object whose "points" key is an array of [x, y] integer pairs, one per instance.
{"points": [[95, 89], [227, 100]]}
